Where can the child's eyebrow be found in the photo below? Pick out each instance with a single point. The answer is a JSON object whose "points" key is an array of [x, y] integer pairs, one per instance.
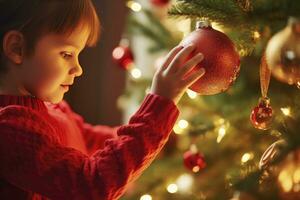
{"points": [[73, 45]]}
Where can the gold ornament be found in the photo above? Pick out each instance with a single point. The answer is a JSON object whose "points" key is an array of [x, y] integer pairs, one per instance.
{"points": [[289, 176], [283, 53], [270, 154]]}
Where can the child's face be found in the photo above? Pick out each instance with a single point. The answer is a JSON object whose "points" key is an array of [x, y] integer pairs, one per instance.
{"points": [[52, 68]]}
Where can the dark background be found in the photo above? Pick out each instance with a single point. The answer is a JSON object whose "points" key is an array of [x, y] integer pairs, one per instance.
{"points": [[94, 95]]}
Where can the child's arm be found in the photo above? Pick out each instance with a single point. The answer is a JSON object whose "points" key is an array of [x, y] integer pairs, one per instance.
{"points": [[94, 135], [33, 159]]}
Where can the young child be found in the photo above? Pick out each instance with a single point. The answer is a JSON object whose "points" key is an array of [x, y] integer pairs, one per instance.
{"points": [[46, 150]]}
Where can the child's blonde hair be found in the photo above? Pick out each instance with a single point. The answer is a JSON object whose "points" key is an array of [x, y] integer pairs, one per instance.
{"points": [[35, 18]]}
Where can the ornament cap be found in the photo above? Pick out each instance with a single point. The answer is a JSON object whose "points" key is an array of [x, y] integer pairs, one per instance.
{"points": [[203, 24], [264, 101]]}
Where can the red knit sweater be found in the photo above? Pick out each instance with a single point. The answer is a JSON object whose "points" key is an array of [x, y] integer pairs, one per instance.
{"points": [[48, 151]]}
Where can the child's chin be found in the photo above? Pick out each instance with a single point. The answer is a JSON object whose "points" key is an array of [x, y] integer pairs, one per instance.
{"points": [[53, 99]]}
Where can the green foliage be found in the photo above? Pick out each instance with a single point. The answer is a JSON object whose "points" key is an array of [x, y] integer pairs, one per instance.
{"points": [[240, 21]]}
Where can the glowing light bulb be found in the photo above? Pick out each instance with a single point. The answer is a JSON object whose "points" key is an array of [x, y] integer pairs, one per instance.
{"points": [[246, 157], [184, 182], [221, 133], [286, 111], [177, 130], [146, 197], [134, 6], [172, 188], [136, 73], [191, 94], [183, 124], [256, 35]]}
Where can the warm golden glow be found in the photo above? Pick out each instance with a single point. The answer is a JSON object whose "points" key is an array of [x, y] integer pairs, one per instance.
{"points": [[172, 188], [191, 94], [286, 111], [134, 6], [146, 197], [184, 182], [183, 124], [221, 133], [246, 157], [285, 180], [136, 73], [256, 35]]}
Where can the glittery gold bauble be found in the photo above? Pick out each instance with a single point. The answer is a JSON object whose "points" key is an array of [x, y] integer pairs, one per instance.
{"points": [[283, 53]]}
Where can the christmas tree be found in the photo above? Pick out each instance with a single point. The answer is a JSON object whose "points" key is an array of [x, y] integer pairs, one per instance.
{"points": [[239, 143]]}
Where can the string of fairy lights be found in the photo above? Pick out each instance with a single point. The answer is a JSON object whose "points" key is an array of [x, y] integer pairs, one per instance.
{"points": [[185, 181]]}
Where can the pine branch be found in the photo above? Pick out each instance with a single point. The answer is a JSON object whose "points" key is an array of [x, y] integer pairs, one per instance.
{"points": [[233, 15], [225, 12]]}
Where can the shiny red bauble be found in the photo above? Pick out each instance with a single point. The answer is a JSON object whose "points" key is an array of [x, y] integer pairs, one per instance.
{"points": [[160, 2], [194, 161], [123, 56], [262, 115], [221, 60]]}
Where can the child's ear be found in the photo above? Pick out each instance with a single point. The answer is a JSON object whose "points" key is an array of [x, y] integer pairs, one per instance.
{"points": [[13, 46]]}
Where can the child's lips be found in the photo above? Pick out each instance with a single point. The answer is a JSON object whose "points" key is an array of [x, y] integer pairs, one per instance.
{"points": [[65, 87]]}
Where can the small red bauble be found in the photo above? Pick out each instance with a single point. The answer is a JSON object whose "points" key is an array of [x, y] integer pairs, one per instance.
{"points": [[194, 161], [123, 56], [160, 2], [221, 60], [262, 115]]}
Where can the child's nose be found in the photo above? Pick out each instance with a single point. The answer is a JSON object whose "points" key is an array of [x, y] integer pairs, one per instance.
{"points": [[77, 70]]}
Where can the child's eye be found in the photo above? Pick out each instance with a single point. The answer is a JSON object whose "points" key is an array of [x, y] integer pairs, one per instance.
{"points": [[66, 55]]}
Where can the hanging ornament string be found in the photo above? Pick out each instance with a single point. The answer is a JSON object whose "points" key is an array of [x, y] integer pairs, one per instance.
{"points": [[262, 115], [265, 75]]}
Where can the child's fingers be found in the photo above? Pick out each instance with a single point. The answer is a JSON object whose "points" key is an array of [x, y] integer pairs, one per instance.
{"points": [[170, 57], [194, 77], [183, 53], [190, 64]]}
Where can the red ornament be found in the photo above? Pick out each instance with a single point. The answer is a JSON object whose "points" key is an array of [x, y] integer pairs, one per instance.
{"points": [[160, 3], [221, 60], [262, 115], [123, 56], [194, 161]]}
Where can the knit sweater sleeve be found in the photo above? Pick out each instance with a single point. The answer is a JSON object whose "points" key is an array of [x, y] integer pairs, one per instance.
{"points": [[94, 135], [34, 160]]}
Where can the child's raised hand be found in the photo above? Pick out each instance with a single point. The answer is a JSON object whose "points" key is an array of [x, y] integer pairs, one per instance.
{"points": [[173, 77]]}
